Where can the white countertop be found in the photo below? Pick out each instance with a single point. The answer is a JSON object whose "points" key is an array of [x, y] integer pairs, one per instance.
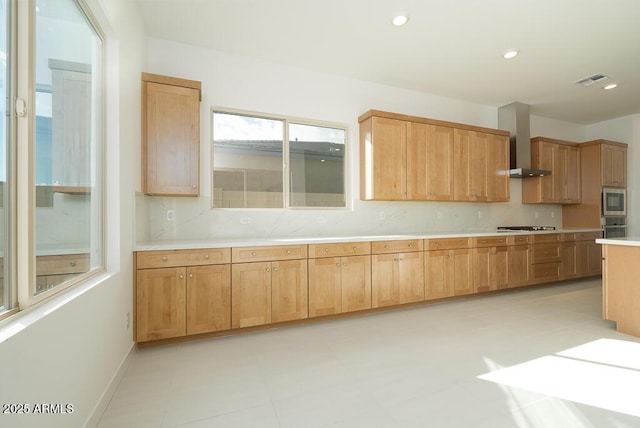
{"points": [[255, 242], [629, 241]]}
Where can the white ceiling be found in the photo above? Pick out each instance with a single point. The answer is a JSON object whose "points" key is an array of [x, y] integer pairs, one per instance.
{"points": [[451, 48]]}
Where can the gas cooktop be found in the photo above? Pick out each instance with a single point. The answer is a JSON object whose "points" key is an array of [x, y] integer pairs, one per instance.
{"points": [[533, 228]]}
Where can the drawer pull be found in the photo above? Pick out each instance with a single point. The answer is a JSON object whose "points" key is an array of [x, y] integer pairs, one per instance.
{"points": [[164, 258], [386, 246], [275, 269], [437, 244], [206, 256], [288, 251], [72, 263], [326, 250], [411, 245], [354, 248], [253, 253], [484, 241]]}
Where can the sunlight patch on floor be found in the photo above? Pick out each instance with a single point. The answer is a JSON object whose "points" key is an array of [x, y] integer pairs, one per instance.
{"points": [[604, 373]]}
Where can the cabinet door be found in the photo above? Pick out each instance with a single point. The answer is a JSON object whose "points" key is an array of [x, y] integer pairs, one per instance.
{"points": [[470, 160], [208, 298], [497, 166], [490, 268], [519, 265], [289, 290], [171, 140], [160, 303], [614, 166], [384, 280], [461, 271], [325, 289], [410, 277], [572, 179], [356, 283], [594, 259], [437, 274], [385, 159], [429, 162], [250, 294], [570, 265], [547, 158]]}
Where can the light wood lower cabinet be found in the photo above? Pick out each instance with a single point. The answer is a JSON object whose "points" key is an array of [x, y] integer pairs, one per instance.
{"points": [[397, 278], [266, 292], [339, 278], [339, 284], [490, 265], [160, 303], [581, 256], [179, 293], [519, 261], [448, 266]]}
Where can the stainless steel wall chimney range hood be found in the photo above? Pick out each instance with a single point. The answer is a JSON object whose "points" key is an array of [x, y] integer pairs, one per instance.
{"points": [[514, 118]]}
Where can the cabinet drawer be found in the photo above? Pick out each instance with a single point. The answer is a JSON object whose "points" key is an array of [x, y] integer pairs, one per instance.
{"points": [[266, 254], [384, 247], [546, 237], [569, 237], [446, 244], [544, 253], [174, 258], [339, 249], [518, 239], [545, 272], [588, 236], [489, 241]]}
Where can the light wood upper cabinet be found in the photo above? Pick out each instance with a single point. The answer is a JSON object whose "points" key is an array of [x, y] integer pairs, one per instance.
{"points": [[481, 162], [614, 165], [170, 136], [603, 163], [383, 159], [418, 159], [563, 186], [429, 162]]}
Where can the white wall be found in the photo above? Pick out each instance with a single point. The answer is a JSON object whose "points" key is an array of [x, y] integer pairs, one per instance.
{"points": [[68, 350], [241, 83], [625, 130]]}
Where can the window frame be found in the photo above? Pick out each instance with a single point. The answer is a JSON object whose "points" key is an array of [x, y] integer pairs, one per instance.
{"points": [[21, 218], [286, 181]]}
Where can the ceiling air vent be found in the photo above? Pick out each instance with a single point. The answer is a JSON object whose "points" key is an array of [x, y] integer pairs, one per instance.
{"points": [[587, 81]]}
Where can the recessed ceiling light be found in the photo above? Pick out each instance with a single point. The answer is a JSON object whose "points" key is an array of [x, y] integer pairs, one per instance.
{"points": [[400, 20], [610, 86], [511, 53]]}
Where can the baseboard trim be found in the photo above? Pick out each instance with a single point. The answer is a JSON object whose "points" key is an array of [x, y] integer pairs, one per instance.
{"points": [[101, 405]]}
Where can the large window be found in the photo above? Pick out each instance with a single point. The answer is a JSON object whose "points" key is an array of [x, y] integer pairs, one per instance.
{"points": [[262, 161], [56, 133]]}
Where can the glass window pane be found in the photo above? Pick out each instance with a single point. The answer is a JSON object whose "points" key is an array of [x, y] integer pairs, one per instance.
{"points": [[5, 85], [68, 144], [316, 159], [247, 161]]}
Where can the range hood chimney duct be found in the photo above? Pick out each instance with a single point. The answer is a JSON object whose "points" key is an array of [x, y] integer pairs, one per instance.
{"points": [[514, 118]]}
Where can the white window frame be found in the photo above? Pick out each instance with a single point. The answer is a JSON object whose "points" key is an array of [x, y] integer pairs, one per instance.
{"points": [[22, 149], [286, 182]]}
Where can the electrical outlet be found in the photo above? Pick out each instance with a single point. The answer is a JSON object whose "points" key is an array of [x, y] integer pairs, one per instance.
{"points": [[171, 215], [245, 220]]}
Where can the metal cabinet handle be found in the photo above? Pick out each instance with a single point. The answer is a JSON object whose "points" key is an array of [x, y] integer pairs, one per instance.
{"points": [[206, 256], [194, 186], [253, 253], [268, 270], [411, 245], [191, 275], [354, 248], [275, 269], [181, 276], [72, 263], [338, 264], [288, 251], [164, 258], [344, 264]]}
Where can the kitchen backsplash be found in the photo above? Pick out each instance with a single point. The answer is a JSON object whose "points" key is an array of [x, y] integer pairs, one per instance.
{"points": [[192, 218]]}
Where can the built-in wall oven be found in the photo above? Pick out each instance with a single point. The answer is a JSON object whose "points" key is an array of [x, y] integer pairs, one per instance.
{"points": [[614, 202], [614, 226]]}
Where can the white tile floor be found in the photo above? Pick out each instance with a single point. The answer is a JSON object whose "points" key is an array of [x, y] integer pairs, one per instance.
{"points": [[417, 367]]}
